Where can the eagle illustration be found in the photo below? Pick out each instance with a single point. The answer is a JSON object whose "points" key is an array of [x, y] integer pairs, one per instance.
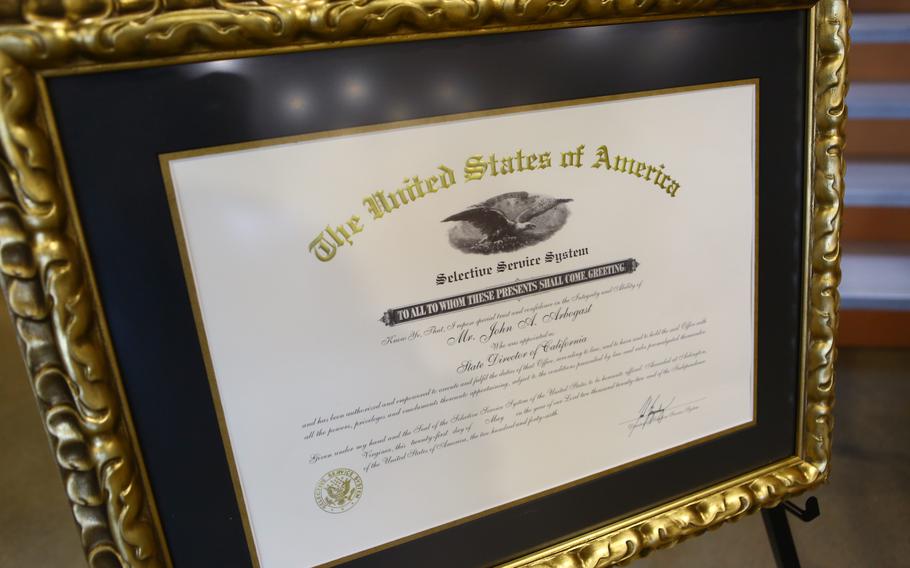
{"points": [[507, 222], [339, 495]]}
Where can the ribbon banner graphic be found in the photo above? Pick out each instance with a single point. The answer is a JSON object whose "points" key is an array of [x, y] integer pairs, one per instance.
{"points": [[414, 312]]}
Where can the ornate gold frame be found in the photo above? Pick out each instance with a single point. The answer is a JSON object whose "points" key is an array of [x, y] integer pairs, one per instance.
{"points": [[48, 284]]}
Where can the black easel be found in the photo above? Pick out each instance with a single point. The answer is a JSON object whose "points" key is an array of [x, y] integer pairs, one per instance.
{"points": [[779, 529]]}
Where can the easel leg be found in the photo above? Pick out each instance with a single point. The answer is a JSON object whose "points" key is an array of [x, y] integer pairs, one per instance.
{"points": [[780, 537]]}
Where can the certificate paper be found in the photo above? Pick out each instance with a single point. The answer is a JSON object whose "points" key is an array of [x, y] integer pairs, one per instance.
{"points": [[413, 324]]}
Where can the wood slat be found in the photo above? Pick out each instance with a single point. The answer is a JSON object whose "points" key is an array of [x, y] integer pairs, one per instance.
{"points": [[885, 139], [880, 28], [878, 184], [879, 101], [880, 62], [876, 224], [880, 6], [870, 328], [875, 276]]}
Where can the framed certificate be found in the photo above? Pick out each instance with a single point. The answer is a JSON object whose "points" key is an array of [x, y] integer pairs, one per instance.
{"points": [[458, 284]]}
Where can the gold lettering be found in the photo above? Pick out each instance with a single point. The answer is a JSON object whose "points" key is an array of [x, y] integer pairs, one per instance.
{"points": [[493, 165], [603, 158], [373, 207], [474, 168], [507, 166], [413, 187], [323, 249], [658, 179], [638, 169], [626, 162], [403, 195], [572, 158], [386, 204], [448, 178], [334, 234], [354, 225]]}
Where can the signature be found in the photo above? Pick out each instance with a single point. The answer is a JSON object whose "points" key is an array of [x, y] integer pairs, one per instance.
{"points": [[654, 410]]}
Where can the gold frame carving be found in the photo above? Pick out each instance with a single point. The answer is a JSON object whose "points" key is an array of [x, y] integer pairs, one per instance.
{"points": [[47, 281]]}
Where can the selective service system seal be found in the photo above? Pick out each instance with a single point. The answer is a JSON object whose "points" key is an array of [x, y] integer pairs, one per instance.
{"points": [[338, 490]]}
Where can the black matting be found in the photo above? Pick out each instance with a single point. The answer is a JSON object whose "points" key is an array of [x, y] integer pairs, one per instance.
{"points": [[114, 125]]}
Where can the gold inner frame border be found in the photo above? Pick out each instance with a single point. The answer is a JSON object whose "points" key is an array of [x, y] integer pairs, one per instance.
{"points": [[46, 277], [166, 159]]}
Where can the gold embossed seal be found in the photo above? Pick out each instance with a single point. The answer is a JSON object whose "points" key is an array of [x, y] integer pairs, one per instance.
{"points": [[338, 490]]}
